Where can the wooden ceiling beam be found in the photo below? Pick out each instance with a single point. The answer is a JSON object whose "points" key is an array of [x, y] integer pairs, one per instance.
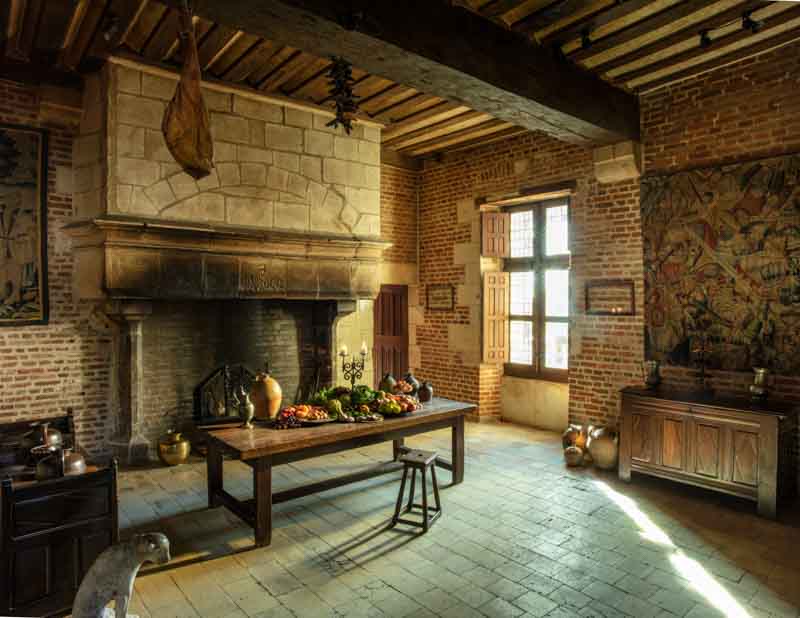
{"points": [[80, 34], [483, 66], [249, 62], [698, 51], [210, 49], [679, 36], [284, 54], [431, 115], [639, 28], [592, 21], [436, 129], [547, 15], [739, 54], [118, 22], [387, 98], [318, 66], [471, 133], [233, 52], [403, 109], [23, 22], [144, 25], [485, 140], [165, 36], [497, 8], [286, 71]]}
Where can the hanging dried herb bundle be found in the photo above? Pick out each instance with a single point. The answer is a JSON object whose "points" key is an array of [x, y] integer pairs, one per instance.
{"points": [[340, 77]]}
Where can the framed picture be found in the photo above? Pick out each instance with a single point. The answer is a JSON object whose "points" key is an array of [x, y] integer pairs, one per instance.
{"points": [[440, 297], [23, 226], [610, 297]]}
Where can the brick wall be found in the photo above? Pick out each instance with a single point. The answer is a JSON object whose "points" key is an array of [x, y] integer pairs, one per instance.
{"points": [[747, 110], [399, 188], [605, 244], [46, 369]]}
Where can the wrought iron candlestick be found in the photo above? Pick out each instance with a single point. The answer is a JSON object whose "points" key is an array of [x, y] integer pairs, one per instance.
{"points": [[354, 370]]}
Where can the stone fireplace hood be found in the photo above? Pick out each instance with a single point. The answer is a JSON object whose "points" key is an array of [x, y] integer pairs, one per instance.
{"points": [[122, 258]]}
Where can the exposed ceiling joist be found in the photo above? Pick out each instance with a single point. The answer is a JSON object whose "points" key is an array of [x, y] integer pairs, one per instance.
{"points": [[637, 29], [746, 52], [541, 18], [77, 41], [716, 43], [436, 129], [485, 67], [470, 133], [592, 21], [23, 20], [679, 36], [423, 118]]}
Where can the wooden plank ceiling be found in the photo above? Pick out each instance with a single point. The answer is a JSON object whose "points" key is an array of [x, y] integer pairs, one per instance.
{"points": [[640, 45], [637, 45]]}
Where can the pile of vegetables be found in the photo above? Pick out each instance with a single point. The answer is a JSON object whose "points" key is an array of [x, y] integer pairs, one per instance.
{"points": [[362, 403]]}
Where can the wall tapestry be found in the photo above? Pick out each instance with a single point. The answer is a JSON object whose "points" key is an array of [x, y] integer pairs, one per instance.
{"points": [[23, 226], [722, 264]]}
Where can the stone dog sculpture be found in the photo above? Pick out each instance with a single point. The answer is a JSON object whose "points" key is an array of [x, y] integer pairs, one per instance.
{"points": [[111, 576]]}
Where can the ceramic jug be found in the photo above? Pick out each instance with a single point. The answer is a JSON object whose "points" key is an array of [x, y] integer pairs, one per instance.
{"points": [[266, 395]]}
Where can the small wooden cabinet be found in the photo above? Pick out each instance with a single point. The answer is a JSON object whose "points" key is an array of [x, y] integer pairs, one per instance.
{"points": [[728, 444]]}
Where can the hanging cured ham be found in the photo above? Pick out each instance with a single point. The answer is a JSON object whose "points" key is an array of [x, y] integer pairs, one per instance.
{"points": [[186, 126]]}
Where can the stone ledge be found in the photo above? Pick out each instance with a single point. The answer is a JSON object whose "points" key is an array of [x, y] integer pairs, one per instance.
{"points": [[126, 258]]}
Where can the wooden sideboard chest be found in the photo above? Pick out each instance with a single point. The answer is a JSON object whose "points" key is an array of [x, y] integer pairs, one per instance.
{"points": [[724, 443]]}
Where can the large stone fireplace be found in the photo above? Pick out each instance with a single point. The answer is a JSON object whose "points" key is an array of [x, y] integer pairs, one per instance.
{"points": [[275, 256]]}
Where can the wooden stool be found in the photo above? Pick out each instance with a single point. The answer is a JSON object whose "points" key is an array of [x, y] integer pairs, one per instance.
{"points": [[422, 461]]}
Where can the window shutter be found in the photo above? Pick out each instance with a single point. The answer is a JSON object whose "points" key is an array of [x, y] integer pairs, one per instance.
{"points": [[496, 234], [496, 289]]}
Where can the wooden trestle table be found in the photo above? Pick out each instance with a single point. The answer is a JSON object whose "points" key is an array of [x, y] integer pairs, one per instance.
{"points": [[262, 447]]}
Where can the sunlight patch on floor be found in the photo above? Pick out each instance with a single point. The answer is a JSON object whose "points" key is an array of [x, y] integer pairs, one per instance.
{"points": [[688, 568]]}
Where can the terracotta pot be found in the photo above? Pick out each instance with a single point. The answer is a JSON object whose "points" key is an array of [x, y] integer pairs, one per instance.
{"points": [[174, 449], [604, 447], [573, 455], [570, 435], [266, 395]]}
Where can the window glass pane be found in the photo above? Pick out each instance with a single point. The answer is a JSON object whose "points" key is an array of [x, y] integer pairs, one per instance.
{"points": [[556, 230], [522, 293], [556, 293], [522, 233], [520, 338], [556, 345]]}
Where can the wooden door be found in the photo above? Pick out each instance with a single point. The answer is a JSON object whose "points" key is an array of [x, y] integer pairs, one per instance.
{"points": [[391, 332]]}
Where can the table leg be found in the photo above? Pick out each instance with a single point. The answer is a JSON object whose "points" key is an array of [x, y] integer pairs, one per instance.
{"points": [[262, 492], [396, 446], [458, 450], [214, 473]]}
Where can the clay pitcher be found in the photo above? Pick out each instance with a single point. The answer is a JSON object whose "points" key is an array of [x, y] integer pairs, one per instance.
{"points": [[266, 395]]}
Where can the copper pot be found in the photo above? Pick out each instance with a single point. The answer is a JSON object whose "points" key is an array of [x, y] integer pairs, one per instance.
{"points": [[266, 395], [174, 448]]}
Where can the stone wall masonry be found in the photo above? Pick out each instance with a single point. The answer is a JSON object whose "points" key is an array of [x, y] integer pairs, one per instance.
{"points": [[275, 167]]}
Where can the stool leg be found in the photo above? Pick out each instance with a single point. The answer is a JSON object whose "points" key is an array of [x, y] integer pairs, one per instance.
{"points": [[412, 490], [435, 488], [400, 497], [424, 502]]}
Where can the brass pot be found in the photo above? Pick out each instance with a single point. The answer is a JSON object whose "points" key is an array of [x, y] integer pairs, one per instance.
{"points": [[266, 395], [174, 448]]}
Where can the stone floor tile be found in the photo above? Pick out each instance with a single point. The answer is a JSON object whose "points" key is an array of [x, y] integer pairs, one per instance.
{"points": [[535, 604], [569, 597], [500, 608], [474, 596], [436, 600], [506, 589]]}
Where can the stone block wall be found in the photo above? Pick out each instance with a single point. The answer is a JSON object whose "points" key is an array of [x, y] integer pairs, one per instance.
{"points": [[276, 167]]}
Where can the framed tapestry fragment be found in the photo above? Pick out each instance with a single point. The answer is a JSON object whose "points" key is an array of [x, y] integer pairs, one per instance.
{"points": [[722, 262], [23, 226]]}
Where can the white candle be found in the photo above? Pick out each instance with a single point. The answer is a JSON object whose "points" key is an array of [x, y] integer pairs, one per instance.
{"points": [[343, 351], [363, 348]]}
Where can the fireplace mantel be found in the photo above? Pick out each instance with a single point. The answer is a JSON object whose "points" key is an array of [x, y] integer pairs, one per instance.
{"points": [[125, 258]]}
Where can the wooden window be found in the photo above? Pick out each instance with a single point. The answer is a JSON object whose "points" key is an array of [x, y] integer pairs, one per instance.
{"points": [[539, 297]]}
